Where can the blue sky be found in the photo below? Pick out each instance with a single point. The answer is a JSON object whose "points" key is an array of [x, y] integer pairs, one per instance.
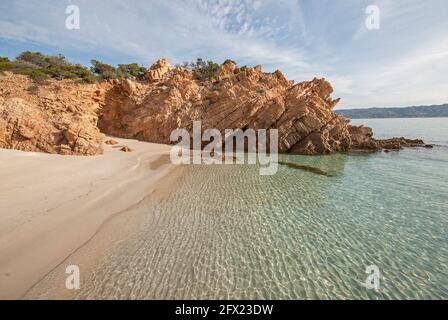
{"points": [[403, 63]]}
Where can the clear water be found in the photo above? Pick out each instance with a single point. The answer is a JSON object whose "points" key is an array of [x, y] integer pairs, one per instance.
{"points": [[229, 233], [431, 130]]}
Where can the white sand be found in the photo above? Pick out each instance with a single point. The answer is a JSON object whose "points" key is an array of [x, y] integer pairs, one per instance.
{"points": [[50, 205]]}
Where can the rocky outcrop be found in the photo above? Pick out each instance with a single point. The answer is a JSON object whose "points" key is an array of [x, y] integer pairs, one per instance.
{"points": [[60, 118], [239, 98], [158, 70]]}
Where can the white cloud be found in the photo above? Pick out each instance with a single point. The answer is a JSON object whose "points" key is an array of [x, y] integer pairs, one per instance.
{"points": [[398, 65]]}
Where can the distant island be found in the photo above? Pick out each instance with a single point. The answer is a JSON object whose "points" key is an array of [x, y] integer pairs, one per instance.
{"points": [[435, 111]]}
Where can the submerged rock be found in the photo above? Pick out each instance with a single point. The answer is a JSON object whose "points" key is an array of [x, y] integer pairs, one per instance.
{"points": [[307, 168]]}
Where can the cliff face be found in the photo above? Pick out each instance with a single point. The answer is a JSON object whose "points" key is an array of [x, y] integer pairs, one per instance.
{"points": [[60, 117], [239, 98], [63, 116]]}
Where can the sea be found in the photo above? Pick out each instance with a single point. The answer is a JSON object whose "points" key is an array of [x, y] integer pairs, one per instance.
{"points": [[374, 226]]}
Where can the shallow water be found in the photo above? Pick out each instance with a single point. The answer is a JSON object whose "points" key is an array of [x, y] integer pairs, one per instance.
{"points": [[229, 233]]}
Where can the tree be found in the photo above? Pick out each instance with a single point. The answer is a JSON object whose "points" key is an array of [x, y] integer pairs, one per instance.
{"points": [[58, 60], [103, 70], [131, 70], [204, 70], [36, 59]]}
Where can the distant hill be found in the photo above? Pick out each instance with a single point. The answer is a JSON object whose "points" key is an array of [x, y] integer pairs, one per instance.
{"points": [[406, 112]]}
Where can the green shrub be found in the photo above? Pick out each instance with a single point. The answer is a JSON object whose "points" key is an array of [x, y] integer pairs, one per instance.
{"points": [[103, 70], [58, 60], [5, 64], [90, 78], [38, 76], [41, 67], [131, 70], [204, 70], [69, 72], [36, 59]]}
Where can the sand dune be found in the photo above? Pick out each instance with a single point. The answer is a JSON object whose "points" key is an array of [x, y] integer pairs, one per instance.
{"points": [[50, 205]]}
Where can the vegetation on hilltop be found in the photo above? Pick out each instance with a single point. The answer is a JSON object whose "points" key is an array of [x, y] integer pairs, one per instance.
{"points": [[5, 64], [203, 70], [42, 67], [106, 72], [131, 70]]}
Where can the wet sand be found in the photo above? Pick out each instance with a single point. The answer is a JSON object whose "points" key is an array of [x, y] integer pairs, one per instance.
{"points": [[52, 205]]}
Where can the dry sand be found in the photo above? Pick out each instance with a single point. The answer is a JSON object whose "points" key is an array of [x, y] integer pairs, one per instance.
{"points": [[51, 205]]}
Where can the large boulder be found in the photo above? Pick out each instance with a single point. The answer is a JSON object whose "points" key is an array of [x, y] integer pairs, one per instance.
{"points": [[158, 70]]}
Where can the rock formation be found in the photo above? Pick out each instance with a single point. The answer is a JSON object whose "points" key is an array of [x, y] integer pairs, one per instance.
{"points": [[62, 117], [158, 70], [238, 98]]}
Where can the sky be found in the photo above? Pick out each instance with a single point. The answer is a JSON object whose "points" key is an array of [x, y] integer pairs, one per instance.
{"points": [[404, 62]]}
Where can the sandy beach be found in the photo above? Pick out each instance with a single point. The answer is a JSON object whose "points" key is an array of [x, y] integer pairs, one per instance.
{"points": [[51, 205]]}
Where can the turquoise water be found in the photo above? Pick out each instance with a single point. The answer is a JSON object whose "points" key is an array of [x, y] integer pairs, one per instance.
{"points": [[431, 130], [229, 233]]}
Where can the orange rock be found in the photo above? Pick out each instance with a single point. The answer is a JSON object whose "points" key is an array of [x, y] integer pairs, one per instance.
{"points": [[45, 122], [158, 70], [111, 142], [126, 149], [239, 98], [65, 117], [128, 86]]}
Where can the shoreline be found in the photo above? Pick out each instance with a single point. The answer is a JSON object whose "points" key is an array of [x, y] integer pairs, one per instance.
{"points": [[108, 239], [54, 205]]}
